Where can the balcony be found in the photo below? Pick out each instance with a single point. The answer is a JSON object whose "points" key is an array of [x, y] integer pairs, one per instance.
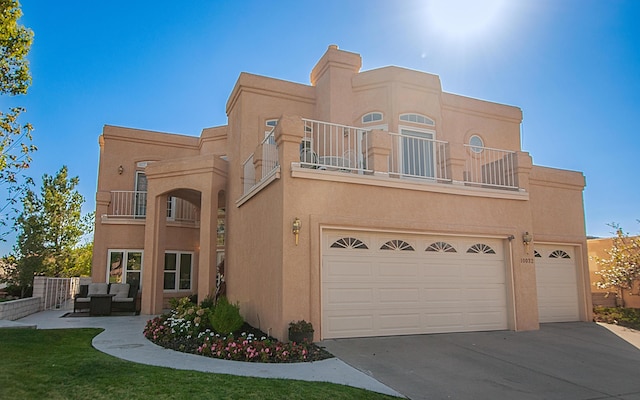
{"points": [[410, 156], [132, 205]]}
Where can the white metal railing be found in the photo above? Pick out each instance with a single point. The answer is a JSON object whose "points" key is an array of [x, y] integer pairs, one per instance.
{"points": [[58, 291], [269, 163], [491, 167], [249, 174], [415, 156], [336, 147], [133, 204], [269, 154]]}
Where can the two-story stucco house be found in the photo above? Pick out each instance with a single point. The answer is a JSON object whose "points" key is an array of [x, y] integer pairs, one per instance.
{"points": [[368, 202]]}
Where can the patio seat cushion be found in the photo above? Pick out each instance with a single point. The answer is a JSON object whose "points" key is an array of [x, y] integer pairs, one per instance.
{"points": [[98, 288], [121, 291], [122, 299], [83, 299]]}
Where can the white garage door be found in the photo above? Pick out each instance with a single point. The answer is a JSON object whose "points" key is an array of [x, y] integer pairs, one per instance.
{"points": [[557, 283], [376, 284]]}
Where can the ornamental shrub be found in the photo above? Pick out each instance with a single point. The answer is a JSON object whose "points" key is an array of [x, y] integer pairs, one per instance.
{"points": [[226, 317]]}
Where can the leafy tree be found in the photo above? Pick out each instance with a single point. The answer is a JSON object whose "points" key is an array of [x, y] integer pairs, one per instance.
{"points": [[50, 229], [622, 268], [15, 137]]}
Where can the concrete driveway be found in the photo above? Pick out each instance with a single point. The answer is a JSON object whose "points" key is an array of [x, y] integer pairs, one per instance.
{"points": [[560, 361]]}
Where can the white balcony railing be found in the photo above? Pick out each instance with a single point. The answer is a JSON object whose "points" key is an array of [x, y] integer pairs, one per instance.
{"points": [[335, 147], [485, 166], [414, 156], [129, 204], [269, 163]]}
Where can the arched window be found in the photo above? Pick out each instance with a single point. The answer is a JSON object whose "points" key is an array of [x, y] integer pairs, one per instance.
{"points": [[349, 243], [441, 247], [559, 254], [397, 245], [417, 119], [371, 117], [481, 248]]}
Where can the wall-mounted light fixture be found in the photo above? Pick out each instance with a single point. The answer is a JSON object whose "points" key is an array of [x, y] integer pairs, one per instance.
{"points": [[120, 170], [527, 239], [296, 228]]}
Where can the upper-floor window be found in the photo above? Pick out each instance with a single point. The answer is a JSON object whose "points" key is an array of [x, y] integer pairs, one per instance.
{"points": [[418, 119], [371, 117], [476, 144], [271, 122]]}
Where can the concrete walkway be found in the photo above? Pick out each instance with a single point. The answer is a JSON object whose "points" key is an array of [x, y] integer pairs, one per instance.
{"points": [[123, 338]]}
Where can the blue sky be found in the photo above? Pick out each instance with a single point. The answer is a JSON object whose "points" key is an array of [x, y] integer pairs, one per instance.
{"points": [[572, 66]]}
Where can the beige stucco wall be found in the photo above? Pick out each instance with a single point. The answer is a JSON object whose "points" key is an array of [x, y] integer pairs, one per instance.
{"points": [[276, 281], [126, 147], [558, 218]]}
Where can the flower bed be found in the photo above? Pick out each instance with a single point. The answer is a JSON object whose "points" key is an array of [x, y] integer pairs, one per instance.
{"points": [[186, 329]]}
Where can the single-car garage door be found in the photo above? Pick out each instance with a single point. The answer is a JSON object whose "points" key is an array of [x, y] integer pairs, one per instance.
{"points": [[557, 283], [377, 284]]}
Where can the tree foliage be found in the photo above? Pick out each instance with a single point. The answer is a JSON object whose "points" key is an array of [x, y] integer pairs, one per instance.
{"points": [[622, 268], [15, 137], [50, 229]]}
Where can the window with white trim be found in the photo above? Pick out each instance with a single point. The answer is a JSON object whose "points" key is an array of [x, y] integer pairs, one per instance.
{"points": [[476, 144], [417, 119], [417, 152], [177, 270], [124, 266], [371, 117]]}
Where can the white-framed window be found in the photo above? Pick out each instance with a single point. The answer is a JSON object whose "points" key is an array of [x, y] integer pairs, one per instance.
{"points": [[371, 117], [476, 144], [417, 152], [140, 200], [417, 119], [178, 267], [124, 266]]}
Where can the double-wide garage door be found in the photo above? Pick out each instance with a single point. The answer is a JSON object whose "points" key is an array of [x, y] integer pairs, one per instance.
{"points": [[377, 284]]}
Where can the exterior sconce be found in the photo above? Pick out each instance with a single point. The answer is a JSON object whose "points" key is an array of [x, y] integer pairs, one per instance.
{"points": [[120, 170], [527, 239], [296, 228]]}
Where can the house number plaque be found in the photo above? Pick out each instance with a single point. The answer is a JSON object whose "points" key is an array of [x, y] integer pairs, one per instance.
{"points": [[527, 260]]}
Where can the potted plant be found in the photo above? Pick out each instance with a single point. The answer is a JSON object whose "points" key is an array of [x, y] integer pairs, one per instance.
{"points": [[301, 331]]}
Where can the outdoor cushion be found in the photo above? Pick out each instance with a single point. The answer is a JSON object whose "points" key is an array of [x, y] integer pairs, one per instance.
{"points": [[82, 299], [98, 288], [122, 299], [121, 290]]}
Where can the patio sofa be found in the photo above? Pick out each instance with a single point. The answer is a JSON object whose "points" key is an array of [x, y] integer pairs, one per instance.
{"points": [[124, 299]]}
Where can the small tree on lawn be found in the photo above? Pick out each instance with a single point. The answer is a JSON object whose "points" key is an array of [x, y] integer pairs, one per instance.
{"points": [[50, 229], [15, 136], [622, 268]]}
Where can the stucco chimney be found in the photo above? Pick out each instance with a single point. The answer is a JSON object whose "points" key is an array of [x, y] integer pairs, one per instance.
{"points": [[332, 78]]}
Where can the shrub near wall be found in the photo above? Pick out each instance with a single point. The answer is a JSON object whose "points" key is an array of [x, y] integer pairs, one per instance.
{"points": [[16, 309]]}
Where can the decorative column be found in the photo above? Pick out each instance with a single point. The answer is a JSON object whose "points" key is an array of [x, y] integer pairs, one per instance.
{"points": [[153, 257]]}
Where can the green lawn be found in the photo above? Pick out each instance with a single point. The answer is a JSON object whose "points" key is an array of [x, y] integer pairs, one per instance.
{"points": [[61, 364]]}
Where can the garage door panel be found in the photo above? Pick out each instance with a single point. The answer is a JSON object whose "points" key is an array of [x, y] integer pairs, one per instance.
{"points": [[486, 320], [393, 321], [392, 292], [340, 270], [396, 270], [349, 295], [399, 295]]}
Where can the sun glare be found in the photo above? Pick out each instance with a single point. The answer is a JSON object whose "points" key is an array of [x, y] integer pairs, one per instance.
{"points": [[465, 19]]}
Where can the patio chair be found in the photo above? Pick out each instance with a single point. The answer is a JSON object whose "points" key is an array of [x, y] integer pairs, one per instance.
{"points": [[82, 300], [126, 297]]}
